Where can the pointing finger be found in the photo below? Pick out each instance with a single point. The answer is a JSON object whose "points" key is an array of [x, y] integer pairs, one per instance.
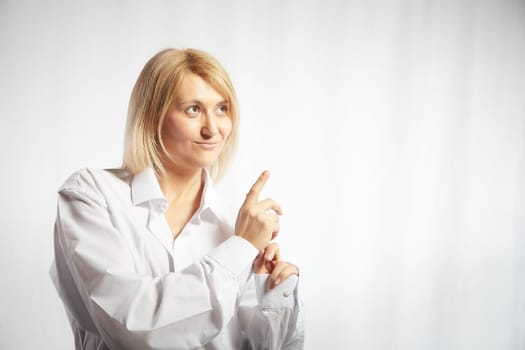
{"points": [[255, 190]]}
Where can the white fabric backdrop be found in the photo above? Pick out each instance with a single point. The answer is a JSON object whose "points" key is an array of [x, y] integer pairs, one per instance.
{"points": [[394, 131]]}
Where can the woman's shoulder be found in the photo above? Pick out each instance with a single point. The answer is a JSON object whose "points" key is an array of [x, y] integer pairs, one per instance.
{"points": [[93, 182]]}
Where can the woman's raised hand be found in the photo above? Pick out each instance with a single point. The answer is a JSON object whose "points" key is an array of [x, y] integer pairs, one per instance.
{"points": [[258, 221]]}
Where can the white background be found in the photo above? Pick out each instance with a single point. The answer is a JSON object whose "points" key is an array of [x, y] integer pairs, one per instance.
{"points": [[394, 132]]}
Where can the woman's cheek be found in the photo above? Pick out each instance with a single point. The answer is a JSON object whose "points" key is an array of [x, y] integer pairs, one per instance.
{"points": [[227, 129]]}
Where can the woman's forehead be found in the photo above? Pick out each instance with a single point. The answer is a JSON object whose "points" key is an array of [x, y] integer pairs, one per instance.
{"points": [[194, 88]]}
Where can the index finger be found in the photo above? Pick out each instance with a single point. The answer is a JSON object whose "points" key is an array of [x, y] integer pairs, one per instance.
{"points": [[272, 252], [257, 187]]}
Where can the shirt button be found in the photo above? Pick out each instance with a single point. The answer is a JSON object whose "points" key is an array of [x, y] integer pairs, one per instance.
{"points": [[286, 293]]}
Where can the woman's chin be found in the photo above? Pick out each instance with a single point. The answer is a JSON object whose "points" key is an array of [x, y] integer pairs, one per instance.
{"points": [[203, 164]]}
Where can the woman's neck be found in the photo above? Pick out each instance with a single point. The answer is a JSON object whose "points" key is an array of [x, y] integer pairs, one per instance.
{"points": [[181, 186]]}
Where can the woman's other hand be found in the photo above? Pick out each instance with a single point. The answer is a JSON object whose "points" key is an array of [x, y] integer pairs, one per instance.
{"points": [[269, 262]]}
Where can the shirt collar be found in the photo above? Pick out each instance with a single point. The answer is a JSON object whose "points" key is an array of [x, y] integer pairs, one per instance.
{"points": [[208, 194], [145, 188]]}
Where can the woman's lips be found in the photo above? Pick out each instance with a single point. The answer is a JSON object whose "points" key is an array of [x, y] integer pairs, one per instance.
{"points": [[207, 145]]}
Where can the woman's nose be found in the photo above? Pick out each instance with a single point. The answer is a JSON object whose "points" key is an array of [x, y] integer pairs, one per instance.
{"points": [[209, 128]]}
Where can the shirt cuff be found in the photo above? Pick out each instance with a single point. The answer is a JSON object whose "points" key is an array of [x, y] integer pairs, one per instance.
{"points": [[236, 254], [281, 296]]}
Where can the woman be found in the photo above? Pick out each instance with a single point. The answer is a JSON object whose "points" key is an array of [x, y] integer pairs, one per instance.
{"points": [[145, 257]]}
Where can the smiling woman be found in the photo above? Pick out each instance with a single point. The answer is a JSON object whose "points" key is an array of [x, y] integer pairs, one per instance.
{"points": [[197, 124], [145, 257], [176, 81]]}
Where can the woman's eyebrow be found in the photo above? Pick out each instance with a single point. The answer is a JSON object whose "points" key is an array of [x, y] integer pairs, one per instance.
{"points": [[179, 103], [199, 102]]}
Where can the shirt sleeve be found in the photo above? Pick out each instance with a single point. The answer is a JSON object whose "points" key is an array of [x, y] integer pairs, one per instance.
{"points": [[273, 318], [186, 309]]}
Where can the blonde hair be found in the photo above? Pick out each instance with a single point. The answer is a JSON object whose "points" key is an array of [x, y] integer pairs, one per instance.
{"points": [[151, 98]]}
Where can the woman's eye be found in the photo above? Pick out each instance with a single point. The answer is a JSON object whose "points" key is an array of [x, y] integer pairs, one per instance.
{"points": [[193, 110], [222, 109]]}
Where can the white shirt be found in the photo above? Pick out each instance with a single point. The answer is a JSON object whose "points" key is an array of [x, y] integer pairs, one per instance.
{"points": [[127, 284]]}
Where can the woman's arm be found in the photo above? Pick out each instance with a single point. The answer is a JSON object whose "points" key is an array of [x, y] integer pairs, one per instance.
{"points": [[271, 308], [186, 309]]}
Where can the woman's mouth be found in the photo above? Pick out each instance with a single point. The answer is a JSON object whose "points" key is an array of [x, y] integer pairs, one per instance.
{"points": [[207, 144]]}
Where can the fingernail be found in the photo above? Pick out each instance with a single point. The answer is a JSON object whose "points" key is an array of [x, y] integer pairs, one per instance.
{"points": [[270, 284], [277, 281], [268, 257]]}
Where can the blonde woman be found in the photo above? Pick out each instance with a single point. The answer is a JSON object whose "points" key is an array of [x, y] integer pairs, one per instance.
{"points": [[145, 257]]}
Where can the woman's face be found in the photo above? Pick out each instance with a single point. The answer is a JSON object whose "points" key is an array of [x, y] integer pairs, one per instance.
{"points": [[197, 124]]}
